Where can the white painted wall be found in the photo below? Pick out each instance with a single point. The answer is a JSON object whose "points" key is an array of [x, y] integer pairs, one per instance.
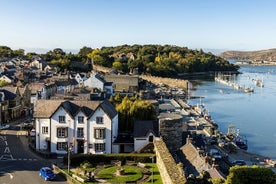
{"points": [[93, 82], [139, 142]]}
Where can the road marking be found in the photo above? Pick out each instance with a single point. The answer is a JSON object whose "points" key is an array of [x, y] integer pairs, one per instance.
{"points": [[6, 143], [7, 150], [3, 172]]}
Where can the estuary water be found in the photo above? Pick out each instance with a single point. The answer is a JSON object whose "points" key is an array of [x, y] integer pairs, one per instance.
{"points": [[252, 113]]}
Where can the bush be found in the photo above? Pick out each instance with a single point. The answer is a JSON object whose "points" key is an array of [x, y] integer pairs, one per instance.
{"points": [[107, 158]]}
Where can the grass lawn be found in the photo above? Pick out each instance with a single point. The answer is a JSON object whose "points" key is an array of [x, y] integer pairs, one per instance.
{"points": [[156, 175], [132, 174]]}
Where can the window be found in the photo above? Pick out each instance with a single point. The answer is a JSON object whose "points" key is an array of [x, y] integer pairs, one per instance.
{"points": [[61, 146], [62, 132], [80, 119], [80, 132], [99, 147], [99, 133], [44, 130], [99, 120], [150, 138], [61, 119]]}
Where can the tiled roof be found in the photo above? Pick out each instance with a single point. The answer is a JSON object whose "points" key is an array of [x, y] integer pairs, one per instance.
{"points": [[36, 86]]}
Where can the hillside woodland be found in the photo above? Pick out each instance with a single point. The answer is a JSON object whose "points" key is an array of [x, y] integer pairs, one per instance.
{"points": [[262, 55], [156, 60]]}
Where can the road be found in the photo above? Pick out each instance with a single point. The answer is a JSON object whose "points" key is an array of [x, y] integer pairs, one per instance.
{"points": [[18, 164]]}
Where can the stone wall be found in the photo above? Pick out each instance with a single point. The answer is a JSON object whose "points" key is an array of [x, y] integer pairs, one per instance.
{"points": [[170, 128], [170, 172]]}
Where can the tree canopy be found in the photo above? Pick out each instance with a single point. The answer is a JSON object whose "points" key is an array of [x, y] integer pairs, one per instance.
{"points": [[156, 60]]}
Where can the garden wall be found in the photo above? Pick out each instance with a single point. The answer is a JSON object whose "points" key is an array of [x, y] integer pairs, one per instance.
{"points": [[170, 172]]}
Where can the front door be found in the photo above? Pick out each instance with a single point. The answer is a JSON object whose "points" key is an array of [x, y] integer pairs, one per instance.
{"points": [[80, 146]]}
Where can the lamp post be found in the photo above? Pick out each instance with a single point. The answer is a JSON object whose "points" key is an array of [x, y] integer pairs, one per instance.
{"points": [[69, 148], [152, 159]]}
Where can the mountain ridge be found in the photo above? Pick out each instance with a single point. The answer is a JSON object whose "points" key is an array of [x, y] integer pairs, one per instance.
{"points": [[259, 55]]}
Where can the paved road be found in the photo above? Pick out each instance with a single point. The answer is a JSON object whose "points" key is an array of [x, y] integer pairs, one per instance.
{"points": [[19, 165]]}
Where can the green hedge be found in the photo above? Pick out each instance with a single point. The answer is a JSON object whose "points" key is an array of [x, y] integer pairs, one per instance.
{"points": [[77, 159]]}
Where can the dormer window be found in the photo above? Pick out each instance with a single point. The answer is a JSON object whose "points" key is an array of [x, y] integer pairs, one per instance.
{"points": [[80, 119], [61, 119], [99, 120]]}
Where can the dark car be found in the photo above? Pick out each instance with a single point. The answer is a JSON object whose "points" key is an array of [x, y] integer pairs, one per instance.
{"points": [[46, 173], [238, 162]]}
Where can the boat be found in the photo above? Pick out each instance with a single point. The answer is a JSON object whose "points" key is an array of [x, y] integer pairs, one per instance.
{"points": [[235, 136], [248, 90]]}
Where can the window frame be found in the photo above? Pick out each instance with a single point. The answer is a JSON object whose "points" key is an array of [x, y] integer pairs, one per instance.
{"points": [[62, 146], [99, 120], [80, 134], [99, 147], [60, 134], [44, 130], [61, 119], [81, 118], [99, 133]]}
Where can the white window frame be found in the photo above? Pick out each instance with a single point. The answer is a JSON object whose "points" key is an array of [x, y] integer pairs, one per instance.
{"points": [[99, 133], [99, 120], [62, 132], [61, 119], [99, 147], [80, 132], [45, 130], [61, 146], [80, 119]]}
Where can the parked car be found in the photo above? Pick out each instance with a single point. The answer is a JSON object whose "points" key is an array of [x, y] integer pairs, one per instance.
{"points": [[32, 132], [46, 173], [215, 153], [238, 162], [4, 127]]}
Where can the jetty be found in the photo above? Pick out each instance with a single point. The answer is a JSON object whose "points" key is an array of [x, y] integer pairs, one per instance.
{"points": [[225, 79]]}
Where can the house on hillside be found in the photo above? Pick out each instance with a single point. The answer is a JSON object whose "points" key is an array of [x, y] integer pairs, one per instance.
{"points": [[89, 127], [96, 81], [124, 83]]}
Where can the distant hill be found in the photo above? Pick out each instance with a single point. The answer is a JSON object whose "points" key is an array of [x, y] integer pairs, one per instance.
{"points": [[261, 55]]}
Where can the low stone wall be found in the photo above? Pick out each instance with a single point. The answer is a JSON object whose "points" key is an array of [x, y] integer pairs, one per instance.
{"points": [[170, 172], [179, 83]]}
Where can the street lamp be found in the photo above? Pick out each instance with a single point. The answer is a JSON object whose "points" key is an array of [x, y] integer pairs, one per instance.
{"points": [[152, 159], [69, 149]]}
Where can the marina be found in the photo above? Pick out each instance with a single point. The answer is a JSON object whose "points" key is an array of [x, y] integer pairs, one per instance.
{"points": [[250, 112]]}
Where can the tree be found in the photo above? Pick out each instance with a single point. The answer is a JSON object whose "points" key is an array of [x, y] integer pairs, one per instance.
{"points": [[254, 174]]}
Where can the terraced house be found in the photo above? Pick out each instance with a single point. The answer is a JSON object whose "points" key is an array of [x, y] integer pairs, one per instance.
{"points": [[86, 126]]}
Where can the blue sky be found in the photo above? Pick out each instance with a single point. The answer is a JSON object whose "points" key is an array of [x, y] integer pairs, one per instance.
{"points": [[72, 24]]}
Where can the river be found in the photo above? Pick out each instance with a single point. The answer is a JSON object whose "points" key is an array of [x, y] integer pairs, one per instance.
{"points": [[252, 113]]}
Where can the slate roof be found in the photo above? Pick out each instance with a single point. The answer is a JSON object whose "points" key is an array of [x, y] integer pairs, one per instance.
{"points": [[143, 128], [10, 89], [46, 108], [36, 87], [67, 82], [8, 94]]}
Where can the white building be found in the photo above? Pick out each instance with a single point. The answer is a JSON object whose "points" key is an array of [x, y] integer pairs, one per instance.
{"points": [[88, 126], [144, 133]]}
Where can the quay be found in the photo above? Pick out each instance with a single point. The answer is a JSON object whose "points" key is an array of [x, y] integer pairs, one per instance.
{"points": [[203, 135]]}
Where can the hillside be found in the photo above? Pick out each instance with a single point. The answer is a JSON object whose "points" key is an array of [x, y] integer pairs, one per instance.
{"points": [[261, 55]]}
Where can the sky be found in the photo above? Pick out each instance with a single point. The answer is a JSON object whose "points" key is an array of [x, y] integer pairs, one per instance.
{"points": [[197, 24]]}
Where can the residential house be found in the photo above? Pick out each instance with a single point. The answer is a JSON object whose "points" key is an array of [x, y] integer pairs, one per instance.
{"points": [[86, 126], [144, 132], [25, 93], [39, 63], [96, 81], [7, 79], [66, 86], [40, 90], [124, 83], [80, 78], [12, 100]]}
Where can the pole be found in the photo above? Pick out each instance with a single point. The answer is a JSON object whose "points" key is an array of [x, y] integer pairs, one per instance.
{"points": [[69, 158], [152, 169]]}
